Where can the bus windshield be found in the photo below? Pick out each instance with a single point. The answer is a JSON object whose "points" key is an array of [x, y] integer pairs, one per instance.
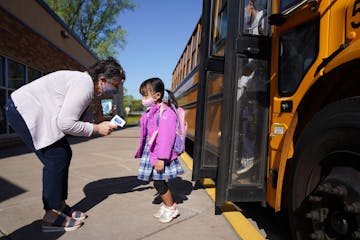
{"points": [[285, 4]]}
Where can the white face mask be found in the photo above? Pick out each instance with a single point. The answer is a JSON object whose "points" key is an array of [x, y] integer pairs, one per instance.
{"points": [[148, 102]]}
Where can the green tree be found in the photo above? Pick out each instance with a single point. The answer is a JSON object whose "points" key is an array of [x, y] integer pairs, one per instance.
{"points": [[134, 104], [137, 105], [128, 100], [95, 22]]}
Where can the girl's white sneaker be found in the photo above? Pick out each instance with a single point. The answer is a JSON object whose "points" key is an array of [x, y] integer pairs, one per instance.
{"points": [[160, 211], [169, 214]]}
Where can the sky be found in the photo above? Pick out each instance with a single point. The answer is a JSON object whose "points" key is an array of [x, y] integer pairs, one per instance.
{"points": [[157, 32]]}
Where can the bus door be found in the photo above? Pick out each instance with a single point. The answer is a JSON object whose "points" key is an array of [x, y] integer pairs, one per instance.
{"points": [[242, 163], [211, 89]]}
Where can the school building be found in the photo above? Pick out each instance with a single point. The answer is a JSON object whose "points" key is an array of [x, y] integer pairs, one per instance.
{"points": [[34, 41]]}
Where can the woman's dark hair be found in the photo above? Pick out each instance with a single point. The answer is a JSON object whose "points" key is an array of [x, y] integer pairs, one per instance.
{"points": [[157, 85], [108, 68]]}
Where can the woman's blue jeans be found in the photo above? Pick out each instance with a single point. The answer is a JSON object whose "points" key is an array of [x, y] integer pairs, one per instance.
{"points": [[55, 158]]}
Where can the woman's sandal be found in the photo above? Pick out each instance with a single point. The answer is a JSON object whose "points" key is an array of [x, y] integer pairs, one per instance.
{"points": [[70, 212], [60, 225]]}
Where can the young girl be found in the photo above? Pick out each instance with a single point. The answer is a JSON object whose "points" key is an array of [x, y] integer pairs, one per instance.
{"points": [[158, 159]]}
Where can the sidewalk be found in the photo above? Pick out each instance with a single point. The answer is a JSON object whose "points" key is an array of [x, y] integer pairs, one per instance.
{"points": [[102, 182]]}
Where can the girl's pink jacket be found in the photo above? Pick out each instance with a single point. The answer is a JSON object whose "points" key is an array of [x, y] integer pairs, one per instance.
{"points": [[162, 147]]}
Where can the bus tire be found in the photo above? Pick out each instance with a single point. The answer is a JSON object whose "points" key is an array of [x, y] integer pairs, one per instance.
{"points": [[324, 196]]}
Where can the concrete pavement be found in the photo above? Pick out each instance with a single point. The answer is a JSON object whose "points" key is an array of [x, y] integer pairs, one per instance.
{"points": [[102, 182]]}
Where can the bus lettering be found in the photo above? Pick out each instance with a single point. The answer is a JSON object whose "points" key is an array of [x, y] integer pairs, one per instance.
{"points": [[356, 10]]}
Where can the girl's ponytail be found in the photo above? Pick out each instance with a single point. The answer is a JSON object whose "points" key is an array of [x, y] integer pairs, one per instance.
{"points": [[171, 99]]}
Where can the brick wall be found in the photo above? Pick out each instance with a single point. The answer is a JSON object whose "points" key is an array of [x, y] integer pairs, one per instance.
{"points": [[21, 44]]}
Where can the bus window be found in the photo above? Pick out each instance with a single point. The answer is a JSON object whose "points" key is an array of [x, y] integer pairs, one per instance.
{"points": [[250, 120], [188, 57], [298, 49], [194, 43], [212, 120], [255, 17], [198, 44], [219, 31]]}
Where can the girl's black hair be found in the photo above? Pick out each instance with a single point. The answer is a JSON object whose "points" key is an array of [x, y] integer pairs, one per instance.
{"points": [[172, 99], [108, 68], [157, 85]]}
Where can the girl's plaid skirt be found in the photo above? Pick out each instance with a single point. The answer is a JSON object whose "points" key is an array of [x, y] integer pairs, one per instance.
{"points": [[147, 172]]}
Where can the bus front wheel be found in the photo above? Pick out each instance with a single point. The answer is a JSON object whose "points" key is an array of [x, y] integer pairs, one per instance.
{"points": [[324, 196]]}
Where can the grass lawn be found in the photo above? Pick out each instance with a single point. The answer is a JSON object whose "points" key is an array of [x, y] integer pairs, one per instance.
{"points": [[133, 119]]}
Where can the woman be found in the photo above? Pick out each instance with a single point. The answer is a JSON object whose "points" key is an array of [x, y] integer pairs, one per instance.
{"points": [[43, 112]]}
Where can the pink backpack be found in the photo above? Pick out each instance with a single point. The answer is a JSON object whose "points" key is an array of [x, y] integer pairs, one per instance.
{"points": [[181, 128]]}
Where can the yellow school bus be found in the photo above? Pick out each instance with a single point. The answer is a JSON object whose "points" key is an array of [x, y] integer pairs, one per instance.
{"points": [[274, 108], [185, 79]]}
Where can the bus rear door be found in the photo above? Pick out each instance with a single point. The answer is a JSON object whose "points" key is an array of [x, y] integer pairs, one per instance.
{"points": [[242, 162], [211, 89]]}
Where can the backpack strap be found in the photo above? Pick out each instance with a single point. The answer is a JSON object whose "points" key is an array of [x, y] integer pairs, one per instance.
{"points": [[163, 107]]}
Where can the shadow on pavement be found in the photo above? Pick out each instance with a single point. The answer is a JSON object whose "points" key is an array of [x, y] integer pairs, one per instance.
{"points": [[32, 232], [98, 191], [95, 193], [17, 149], [9, 190], [179, 188]]}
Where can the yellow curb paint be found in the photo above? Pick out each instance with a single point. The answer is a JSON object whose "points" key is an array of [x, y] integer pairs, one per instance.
{"points": [[211, 192], [242, 226], [207, 183], [188, 160], [238, 221]]}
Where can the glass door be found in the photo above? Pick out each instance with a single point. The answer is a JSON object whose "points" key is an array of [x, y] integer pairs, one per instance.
{"points": [[242, 162], [211, 89]]}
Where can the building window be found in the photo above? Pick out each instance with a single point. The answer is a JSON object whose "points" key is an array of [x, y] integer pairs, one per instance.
{"points": [[2, 72], [16, 74], [33, 74], [2, 111], [12, 76], [2, 96]]}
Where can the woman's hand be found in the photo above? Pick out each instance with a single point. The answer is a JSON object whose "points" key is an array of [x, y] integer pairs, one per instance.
{"points": [[104, 128], [159, 165]]}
